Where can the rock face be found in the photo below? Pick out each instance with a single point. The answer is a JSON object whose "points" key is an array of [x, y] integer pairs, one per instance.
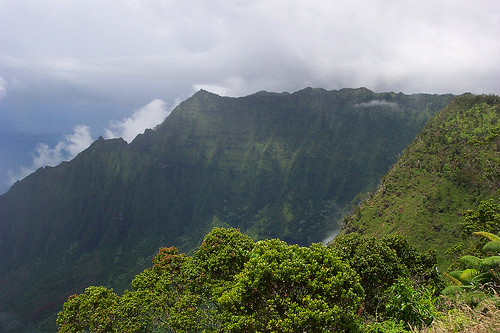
{"points": [[273, 165]]}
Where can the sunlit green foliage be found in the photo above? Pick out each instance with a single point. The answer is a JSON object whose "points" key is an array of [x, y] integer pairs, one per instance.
{"points": [[451, 166], [232, 284], [222, 254], [479, 278], [413, 307], [92, 311], [382, 262], [287, 288]]}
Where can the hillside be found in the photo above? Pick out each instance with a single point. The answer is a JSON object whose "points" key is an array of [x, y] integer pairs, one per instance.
{"points": [[273, 165], [451, 166]]}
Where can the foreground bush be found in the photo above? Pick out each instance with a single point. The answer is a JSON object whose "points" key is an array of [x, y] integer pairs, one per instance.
{"points": [[230, 284], [287, 288], [382, 264]]}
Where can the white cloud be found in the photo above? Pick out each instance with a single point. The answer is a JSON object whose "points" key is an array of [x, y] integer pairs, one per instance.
{"points": [[377, 102], [148, 116], [65, 150], [3, 88], [239, 47]]}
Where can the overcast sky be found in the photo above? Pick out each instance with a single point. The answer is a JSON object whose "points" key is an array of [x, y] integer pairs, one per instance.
{"points": [[84, 68]]}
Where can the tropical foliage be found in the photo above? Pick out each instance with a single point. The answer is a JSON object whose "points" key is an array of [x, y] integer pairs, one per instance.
{"points": [[480, 277], [232, 284], [450, 167], [399, 281]]}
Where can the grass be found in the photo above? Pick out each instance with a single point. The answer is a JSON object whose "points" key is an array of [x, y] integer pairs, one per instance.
{"points": [[457, 316]]}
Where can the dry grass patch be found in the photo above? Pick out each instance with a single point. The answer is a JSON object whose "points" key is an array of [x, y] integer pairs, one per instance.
{"points": [[456, 316]]}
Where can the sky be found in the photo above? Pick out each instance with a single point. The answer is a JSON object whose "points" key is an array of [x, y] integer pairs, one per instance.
{"points": [[71, 71]]}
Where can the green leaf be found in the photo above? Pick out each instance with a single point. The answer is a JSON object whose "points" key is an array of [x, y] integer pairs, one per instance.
{"points": [[493, 246], [471, 261], [468, 275], [452, 290], [454, 277], [493, 261], [487, 235]]}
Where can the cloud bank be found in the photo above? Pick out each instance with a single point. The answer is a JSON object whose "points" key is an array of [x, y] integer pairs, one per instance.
{"points": [[65, 150], [123, 49], [87, 61], [3, 88], [148, 116]]}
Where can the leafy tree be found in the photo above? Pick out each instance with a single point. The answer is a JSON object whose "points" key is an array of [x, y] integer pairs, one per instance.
{"points": [[210, 271], [287, 288], [154, 293], [380, 262], [485, 218], [411, 306], [222, 254], [92, 311], [422, 266], [232, 284]]}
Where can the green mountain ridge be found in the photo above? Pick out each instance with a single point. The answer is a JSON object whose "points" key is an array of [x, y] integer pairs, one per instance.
{"points": [[449, 168], [274, 165]]}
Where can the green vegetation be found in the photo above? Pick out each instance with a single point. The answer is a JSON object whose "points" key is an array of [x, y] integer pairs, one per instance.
{"points": [[232, 284], [355, 284], [477, 276], [386, 262], [276, 166], [449, 168], [281, 166]]}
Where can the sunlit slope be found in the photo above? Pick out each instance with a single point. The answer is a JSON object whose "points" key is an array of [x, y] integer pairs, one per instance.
{"points": [[452, 165]]}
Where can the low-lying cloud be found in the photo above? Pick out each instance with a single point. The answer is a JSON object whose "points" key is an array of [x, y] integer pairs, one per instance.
{"points": [[3, 88], [65, 150], [148, 116], [377, 102]]}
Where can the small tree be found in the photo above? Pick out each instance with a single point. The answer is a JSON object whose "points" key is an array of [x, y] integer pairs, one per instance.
{"points": [[208, 274], [92, 311], [221, 255], [381, 262], [285, 288], [154, 293]]}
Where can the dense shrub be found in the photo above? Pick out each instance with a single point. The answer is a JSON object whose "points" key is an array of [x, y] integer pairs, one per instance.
{"points": [[232, 284], [381, 262]]}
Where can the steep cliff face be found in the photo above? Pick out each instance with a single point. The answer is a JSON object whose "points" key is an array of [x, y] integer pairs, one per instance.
{"points": [[273, 165], [451, 166]]}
